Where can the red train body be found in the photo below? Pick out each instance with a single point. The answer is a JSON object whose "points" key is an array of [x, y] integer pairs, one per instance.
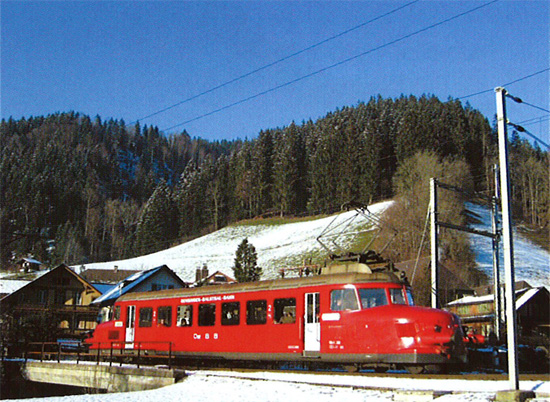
{"points": [[358, 319]]}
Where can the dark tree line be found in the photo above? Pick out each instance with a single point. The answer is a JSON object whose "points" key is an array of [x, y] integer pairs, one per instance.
{"points": [[106, 191]]}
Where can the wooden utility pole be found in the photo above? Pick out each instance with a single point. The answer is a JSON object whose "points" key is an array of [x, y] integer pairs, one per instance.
{"points": [[507, 242]]}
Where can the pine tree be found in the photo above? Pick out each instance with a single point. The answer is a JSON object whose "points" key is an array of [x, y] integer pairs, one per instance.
{"points": [[246, 267]]}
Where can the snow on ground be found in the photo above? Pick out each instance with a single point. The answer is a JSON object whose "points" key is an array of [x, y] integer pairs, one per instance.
{"points": [[273, 243], [531, 262], [207, 386]]}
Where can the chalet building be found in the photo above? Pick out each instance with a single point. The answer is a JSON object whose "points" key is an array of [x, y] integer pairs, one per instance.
{"points": [[28, 264], [217, 278], [158, 278], [532, 306], [59, 299]]}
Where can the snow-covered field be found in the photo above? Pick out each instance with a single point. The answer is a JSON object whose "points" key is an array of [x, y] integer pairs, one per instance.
{"points": [[285, 387]]}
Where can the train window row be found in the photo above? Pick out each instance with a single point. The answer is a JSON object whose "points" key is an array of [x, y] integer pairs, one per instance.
{"points": [[256, 313]]}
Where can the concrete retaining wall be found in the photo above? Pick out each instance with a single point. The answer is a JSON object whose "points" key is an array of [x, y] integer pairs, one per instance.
{"points": [[102, 377]]}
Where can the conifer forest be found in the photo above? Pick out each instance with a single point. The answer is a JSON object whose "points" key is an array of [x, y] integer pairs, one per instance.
{"points": [[76, 189]]}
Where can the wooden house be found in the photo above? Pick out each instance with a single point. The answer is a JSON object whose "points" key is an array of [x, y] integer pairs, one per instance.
{"points": [[532, 306], [59, 299]]}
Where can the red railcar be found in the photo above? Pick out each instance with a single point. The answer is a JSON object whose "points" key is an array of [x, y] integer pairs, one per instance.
{"points": [[352, 319]]}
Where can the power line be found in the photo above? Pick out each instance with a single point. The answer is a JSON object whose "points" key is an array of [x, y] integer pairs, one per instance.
{"points": [[506, 84], [387, 44], [266, 66], [523, 130], [536, 107]]}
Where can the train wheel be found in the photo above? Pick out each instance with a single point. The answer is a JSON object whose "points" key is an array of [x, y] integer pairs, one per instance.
{"points": [[415, 369], [352, 368], [380, 369]]}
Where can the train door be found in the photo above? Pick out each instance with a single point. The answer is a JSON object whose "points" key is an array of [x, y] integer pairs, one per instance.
{"points": [[312, 327], [130, 327]]}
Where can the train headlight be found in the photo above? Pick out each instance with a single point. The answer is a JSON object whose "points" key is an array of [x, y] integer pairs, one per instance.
{"points": [[407, 341], [437, 328]]}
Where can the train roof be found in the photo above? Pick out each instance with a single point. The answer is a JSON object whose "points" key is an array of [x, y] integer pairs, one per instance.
{"points": [[275, 284]]}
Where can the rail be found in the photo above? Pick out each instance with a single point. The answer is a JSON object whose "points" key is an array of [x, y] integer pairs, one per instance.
{"points": [[112, 352]]}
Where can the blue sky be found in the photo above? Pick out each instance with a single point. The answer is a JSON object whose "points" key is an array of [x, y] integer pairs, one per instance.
{"points": [[129, 59]]}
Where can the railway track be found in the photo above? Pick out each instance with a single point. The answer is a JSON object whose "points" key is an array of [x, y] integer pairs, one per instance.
{"points": [[469, 376]]}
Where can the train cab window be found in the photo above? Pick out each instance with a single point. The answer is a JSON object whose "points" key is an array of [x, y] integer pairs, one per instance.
{"points": [[117, 313], [397, 296], [373, 297], [207, 315], [410, 297], [145, 317], [256, 312], [343, 299], [231, 313], [164, 316], [184, 316], [285, 311]]}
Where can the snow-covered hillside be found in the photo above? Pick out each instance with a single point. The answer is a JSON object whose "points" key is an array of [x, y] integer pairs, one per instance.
{"points": [[281, 245], [531, 262], [277, 246]]}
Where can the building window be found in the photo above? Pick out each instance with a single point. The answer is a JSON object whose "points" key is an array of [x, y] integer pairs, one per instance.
{"points": [[207, 315], [285, 311], [165, 316], [231, 313], [184, 316], [256, 312], [145, 317], [42, 296]]}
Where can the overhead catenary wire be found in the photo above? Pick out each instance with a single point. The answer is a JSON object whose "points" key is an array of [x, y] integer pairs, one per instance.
{"points": [[342, 62], [282, 59], [506, 84]]}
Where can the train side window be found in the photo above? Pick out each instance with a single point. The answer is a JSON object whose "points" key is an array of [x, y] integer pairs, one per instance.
{"points": [[164, 316], [410, 297], [231, 313], [343, 299], [207, 315], [184, 316], [256, 312], [285, 311], [373, 297], [145, 316], [117, 313], [397, 296]]}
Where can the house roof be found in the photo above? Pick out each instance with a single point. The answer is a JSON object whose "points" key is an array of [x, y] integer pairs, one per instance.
{"points": [[132, 282], [46, 274], [522, 296], [29, 260], [107, 275]]}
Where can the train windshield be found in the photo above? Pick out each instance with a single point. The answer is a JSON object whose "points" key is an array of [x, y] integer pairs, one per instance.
{"points": [[373, 297], [397, 296], [410, 297]]}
